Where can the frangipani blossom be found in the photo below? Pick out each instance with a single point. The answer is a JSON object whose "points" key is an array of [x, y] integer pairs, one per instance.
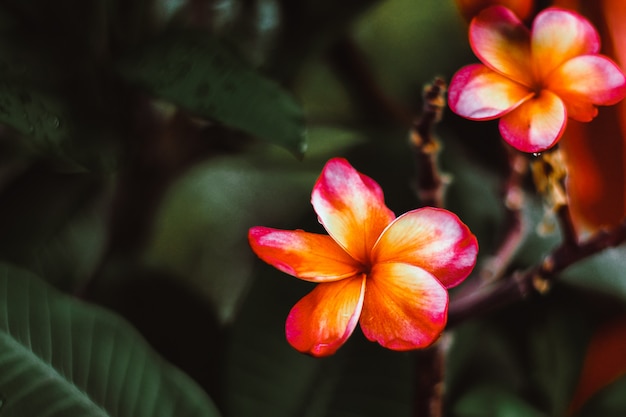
{"points": [[389, 274], [533, 80]]}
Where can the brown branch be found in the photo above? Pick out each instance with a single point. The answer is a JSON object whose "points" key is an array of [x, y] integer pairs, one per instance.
{"points": [[550, 175], [429, 386], [537, 280], [429, 363], [431, 185], [495, 267]]}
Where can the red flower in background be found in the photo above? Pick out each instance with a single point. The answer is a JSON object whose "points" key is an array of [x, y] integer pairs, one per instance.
{"points": [[595, 152], [388, 274]]}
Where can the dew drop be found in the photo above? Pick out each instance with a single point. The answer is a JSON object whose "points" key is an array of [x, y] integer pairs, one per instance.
{"points": [[536, 154]]}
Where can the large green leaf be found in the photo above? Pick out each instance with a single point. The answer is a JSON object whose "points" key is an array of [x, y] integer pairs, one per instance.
{"points": [[197, 72], [201, 230], [60, 357]]}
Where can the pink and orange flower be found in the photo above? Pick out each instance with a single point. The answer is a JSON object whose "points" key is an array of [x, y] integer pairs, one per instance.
{"points": [[533, 80], [389, 274]]}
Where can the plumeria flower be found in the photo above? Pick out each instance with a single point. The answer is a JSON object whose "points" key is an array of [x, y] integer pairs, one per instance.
{"points": [[390, 274], [533, 80]]}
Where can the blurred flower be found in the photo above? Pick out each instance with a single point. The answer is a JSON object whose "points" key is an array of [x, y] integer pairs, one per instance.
{"points": [[470, 8], [533, 80], [390, 274]]}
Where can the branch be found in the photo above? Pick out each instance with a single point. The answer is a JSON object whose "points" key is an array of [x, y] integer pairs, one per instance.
{"points": [[429, 386], [496, 265], [429, 363], [537, 280], [431, 185], [550, 175]]}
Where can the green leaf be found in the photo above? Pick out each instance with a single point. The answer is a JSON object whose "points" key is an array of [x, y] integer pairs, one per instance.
{"points": [[609, 402], [267, 377], [60, 357], [201, 230], [603, 272], [202, 75], [556, 353], [37, 115]]}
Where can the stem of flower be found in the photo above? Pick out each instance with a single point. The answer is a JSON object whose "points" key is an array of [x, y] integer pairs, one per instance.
{"points": [[550, 175], [496, 265], [535, 281], [429, 386], [431, 185]]}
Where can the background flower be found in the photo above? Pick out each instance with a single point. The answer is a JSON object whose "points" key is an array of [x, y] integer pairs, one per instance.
{"points": [[533, 80]]}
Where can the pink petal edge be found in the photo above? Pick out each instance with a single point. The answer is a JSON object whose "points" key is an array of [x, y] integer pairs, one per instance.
{"points": [[502, 42], [351, 207], [478, 93], [433, 239]]}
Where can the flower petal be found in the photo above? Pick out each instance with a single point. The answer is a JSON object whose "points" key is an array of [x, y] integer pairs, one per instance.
{"points": [[308, 256], [559, 35], [324, 319], [405, 307], [434, 240], [536, 125], [586, 81], [479, 93], [351, 207], [502, 42]]}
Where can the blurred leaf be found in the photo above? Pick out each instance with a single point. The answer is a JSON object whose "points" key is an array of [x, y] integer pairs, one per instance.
{"points": [[60, 357], [481, 353], [54, 225], [493, 401], [556, 349], [603, 272], [374, 381], [608, 402], [534, 351], [201, 231], [265, 376], [197, 72], [308, 27], [35, 115], [473, 194], [605, 361], [409, 45]]}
